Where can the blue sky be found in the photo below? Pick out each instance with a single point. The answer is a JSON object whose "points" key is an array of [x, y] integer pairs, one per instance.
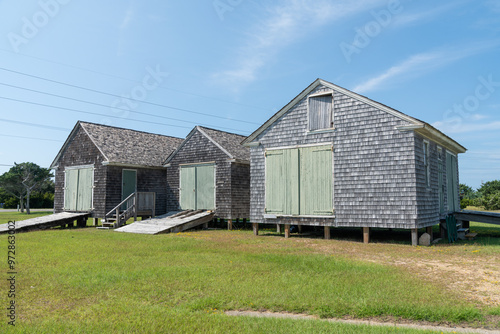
{"points": [[231, 64]]}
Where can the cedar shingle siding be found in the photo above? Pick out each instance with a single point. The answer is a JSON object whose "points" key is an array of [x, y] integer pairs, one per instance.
{"points": [[110, 150], [232, 172], [379, 173]]}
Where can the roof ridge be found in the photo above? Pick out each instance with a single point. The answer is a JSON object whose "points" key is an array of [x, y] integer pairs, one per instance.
{"points": [[127, 129], [231, 133]]}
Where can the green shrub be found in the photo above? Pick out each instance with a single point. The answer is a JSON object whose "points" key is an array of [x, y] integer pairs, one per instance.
{"points": [[492, 201], [465, 202]]}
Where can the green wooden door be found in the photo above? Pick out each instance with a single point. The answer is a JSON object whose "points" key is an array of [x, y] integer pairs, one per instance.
{"points": [[316, 181], [71, 189], [197, 187], [299, 181], [85, 180], [188, 188], [282, 182], [452, 182], [78, 189], [129, 184], [205, 187], [275, 182]]}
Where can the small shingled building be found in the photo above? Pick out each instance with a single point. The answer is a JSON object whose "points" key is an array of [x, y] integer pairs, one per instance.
{"points": [[98, 166], [210, 170], [334, 158]]}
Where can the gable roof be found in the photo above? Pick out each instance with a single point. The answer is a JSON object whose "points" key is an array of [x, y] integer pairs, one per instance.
{"points": [[121, 146], [227, 142], [416, 125]]}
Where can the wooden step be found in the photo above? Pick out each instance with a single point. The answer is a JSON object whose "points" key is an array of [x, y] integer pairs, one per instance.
{"points": [[471, 236], [461, 232]]}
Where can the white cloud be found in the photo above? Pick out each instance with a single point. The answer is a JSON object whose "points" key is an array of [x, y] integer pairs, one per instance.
{"points": [[411, 18], [494, 5], [282, 26], [422, 63], [129, 16]]}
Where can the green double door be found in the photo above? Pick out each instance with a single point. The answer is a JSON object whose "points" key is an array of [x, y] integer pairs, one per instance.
{"points": [[299, 181], [197, 187], [78, 189]]}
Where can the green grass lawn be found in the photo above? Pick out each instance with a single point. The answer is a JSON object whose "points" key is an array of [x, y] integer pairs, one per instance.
{"points": [[94, 281], [87, 280], [6, 216]]}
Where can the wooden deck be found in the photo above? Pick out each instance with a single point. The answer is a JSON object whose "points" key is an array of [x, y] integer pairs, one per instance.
{"points": [[478, 216], [41, 223], [171, 222]]}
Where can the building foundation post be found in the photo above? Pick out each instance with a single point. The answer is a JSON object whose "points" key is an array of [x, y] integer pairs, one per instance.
{"points": [[287, 230], [366, 235]]}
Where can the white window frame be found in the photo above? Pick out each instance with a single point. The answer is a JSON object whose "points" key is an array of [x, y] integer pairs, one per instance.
{"points": [[332, 124]]}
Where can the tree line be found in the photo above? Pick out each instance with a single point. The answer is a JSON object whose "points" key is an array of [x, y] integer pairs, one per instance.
{"points": [[27, 185], [487, 196]]}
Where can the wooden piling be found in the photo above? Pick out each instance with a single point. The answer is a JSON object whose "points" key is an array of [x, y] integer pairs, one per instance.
{"points": [[255, 227], [366, 235], [230, 225], [327, 232], [287, 230], [414, 236], [429, 232]]}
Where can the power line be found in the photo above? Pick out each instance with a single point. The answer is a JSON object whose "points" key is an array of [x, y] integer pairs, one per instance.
{"points": [[35, 125], [11, 136], [134, 81], [102, 105], [121, 97], [104, 115]]}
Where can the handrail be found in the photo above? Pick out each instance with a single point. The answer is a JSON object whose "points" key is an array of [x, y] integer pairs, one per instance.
{"points": [[121, 203]]}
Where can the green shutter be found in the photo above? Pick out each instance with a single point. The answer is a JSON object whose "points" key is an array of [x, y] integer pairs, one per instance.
{"points": [[441, 181], [292, 178], [187, 189], [451, 181], [316, 181], [205, 187]]}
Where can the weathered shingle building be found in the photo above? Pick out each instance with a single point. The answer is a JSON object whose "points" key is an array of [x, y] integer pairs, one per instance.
{"points": [[98, 166], [210, 170], [335, 158]]}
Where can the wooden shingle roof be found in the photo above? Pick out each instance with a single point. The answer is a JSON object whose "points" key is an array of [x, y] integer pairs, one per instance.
{"points": [[126, 147], [229, 143], [415, 124]]}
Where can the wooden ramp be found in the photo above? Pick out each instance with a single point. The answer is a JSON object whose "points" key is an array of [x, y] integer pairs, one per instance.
{"points": [[171, 222], [57, 219], [478, 216]]}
